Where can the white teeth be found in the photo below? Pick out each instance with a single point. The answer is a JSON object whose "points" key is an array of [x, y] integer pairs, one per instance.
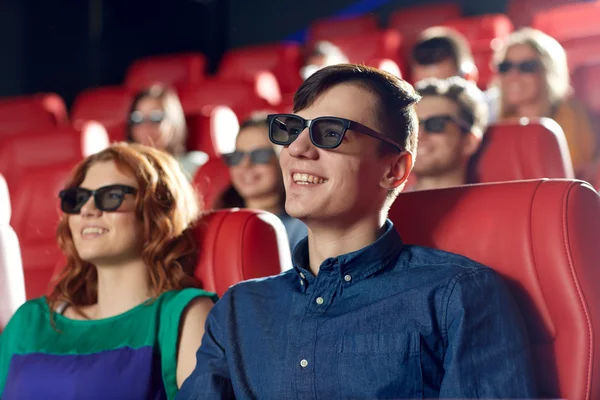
{"points": [[93, 230], [306, 179]]}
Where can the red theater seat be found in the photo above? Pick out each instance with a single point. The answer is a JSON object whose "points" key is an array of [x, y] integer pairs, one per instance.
{"points": [[542, 237], [570, 21], [12, 285], [282, 59], [576, 27], [237, 245], [171, 70], [211, 180], [328, 29], [35, 218], [411, 21], [488, 26], [212, 129], [46, 147], [372, 48], [524, 151], [39, 111], [108, 105], [522, 12], [240, 96]]}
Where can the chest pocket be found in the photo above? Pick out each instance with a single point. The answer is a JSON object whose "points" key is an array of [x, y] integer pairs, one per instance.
{"points": [[380, 366]]}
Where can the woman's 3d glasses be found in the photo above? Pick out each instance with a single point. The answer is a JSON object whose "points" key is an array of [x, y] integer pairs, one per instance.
{"points": [[155, 117], [525, 67], [258, 156], [438, 123], [106, 198], [324, 132]]}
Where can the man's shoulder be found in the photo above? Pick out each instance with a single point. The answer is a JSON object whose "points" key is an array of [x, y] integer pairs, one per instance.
{"points": [[266, 286], [420, 256]]}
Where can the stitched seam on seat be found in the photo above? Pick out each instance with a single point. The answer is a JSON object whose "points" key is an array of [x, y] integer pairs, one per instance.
{"points": [[532, 248], [582, 303]]}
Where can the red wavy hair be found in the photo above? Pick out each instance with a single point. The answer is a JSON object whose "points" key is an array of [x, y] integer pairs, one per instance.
{"points": [[168, 207]]}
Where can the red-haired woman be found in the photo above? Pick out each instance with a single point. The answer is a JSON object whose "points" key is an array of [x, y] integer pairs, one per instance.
{"points": [[126, 316]]}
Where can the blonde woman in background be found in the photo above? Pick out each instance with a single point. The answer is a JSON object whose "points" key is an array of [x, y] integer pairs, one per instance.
{"points": [[533, 82]]}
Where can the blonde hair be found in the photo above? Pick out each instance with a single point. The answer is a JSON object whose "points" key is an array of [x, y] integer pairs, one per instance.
{"points": [[553, 61]]}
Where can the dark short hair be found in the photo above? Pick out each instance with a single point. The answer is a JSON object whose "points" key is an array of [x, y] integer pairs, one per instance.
{"points": [[470, 100], [396, 114], [440, 43]]}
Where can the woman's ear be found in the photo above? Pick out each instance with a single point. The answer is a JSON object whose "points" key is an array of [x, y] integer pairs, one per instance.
{"points": [[397, 170]]}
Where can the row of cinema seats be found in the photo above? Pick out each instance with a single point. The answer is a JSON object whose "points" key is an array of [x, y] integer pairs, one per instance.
{"points": [[528, 150], [540, 235]]}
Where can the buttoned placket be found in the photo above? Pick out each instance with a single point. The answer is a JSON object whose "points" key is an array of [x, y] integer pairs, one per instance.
{"points": [[318, 294]]}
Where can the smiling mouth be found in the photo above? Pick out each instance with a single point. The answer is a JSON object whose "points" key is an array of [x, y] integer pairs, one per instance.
{"points": [[93, 232], [307, 179]]}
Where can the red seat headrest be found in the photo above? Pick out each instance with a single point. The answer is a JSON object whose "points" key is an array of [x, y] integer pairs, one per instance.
{"points": [[327, 29], [527, 150], [211, 180], [108, 105], [411, 21], [542, 237], [171, 70], [39, 111], [237, 245]]}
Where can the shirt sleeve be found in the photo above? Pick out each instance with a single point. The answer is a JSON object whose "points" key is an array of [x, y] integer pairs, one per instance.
{"points": [[487, 353], [211, 378]]}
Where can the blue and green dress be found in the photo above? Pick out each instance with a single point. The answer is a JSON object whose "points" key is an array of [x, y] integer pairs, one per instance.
{"points": [[129, 356]]}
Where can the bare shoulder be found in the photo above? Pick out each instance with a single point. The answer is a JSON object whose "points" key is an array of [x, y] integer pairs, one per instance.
{"points": [[197, 310]]}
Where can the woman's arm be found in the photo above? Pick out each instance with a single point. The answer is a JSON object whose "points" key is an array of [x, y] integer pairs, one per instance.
{"points": [[191, 332]]}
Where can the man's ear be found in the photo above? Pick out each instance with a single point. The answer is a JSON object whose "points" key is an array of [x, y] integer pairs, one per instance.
{"points": [[397, 170], [471, 143]]}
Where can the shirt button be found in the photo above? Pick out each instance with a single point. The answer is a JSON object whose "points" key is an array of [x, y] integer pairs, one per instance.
{"points": [[304, 363], [347, 278], [319, 300], [301, 282], [302, 275]]}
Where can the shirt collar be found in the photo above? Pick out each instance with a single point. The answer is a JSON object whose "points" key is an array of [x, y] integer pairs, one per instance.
{"points": [[353, 266]]}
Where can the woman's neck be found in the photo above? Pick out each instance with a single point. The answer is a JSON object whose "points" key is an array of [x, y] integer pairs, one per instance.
{"points": [[120, 288]]}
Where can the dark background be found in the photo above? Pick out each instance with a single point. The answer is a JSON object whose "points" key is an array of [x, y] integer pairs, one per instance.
{"points": [[65, 46]]}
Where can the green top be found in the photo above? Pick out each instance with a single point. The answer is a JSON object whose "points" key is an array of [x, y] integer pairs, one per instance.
{"points": [[133, 354]]}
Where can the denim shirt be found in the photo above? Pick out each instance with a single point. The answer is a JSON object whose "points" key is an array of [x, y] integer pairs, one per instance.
{"points": [[387, 321]]}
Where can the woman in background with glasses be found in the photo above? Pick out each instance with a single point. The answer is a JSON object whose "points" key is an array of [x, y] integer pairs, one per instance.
{"points": [[533, 82], [256, 180], [156, 119], [126, 316]]}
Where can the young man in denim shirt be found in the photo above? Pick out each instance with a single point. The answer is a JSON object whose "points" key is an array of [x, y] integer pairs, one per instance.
{"points": [[361, 315]]}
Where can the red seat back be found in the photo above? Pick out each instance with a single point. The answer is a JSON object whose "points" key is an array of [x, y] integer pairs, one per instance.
{"points": [[328, 29], [39, 111], [542, 237], [522, 12], [12, 284], [41, 148], [170, 70], [108, 105], [282, 59], [488, 26], [211, 180], [212, 129], [569, 21], [365, 48], [35, 218], [411, 21], [529, 151], [238, 95], [237, 245]]}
